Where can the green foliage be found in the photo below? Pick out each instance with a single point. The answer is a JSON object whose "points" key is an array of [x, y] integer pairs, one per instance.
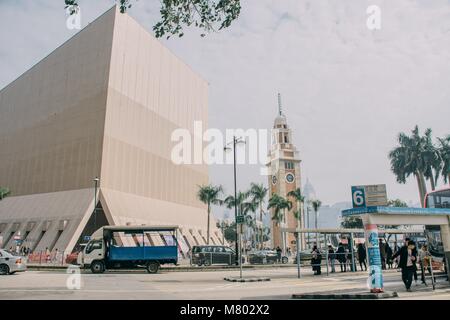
{"points": [[4, 192], [208, 15], [278, 204], [316, 204], [443, 150], [397, 203], [352, 222], [229, 232], [210, 195], [297, 195]]}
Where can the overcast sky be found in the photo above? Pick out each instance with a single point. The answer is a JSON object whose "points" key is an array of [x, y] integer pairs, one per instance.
{"points": [[347, 91]]}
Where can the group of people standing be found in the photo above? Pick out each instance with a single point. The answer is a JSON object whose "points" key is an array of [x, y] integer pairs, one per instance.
{"points": [[406, 258]]}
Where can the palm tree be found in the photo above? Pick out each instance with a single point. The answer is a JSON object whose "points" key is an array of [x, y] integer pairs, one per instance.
{"points": [[444, 156], [240, 202], [258, 193], [279, 205], [431, 158], [209, 195], [297, 195], [244, 207], [298, 214], [4, 192], [316, 204], [408, 159]]}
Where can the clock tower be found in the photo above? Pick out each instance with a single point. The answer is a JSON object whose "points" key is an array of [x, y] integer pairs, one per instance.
{"points": [[284, 176]]}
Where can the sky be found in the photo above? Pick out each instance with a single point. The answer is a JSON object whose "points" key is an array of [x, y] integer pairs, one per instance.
{"points": [[347, 91]]}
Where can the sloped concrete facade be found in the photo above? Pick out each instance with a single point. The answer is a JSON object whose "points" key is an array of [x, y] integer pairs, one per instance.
{"points": [[104, 104]]}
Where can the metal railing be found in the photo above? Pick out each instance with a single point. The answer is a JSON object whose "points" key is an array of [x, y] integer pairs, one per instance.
{"points": [[51, 259]]}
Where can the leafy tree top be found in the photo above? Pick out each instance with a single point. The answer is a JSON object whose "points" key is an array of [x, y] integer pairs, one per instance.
{"points": [[207, 15]]}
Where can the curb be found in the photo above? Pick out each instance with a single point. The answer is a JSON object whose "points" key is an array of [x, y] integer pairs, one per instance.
{"points": [[234, 279], [346, 296], [165, 269]]}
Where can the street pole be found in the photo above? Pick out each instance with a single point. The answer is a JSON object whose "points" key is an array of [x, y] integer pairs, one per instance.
{"points": [[96, 180], [298, 256], [307, 222], [315, 225], [238, 255], [240, 258]]}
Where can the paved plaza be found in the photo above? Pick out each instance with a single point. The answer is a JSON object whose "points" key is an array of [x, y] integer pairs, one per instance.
{"points": [[197, 285]]}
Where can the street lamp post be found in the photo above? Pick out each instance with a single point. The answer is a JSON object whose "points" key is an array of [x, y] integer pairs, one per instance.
{"points": [[235, 142], [96, 181]]}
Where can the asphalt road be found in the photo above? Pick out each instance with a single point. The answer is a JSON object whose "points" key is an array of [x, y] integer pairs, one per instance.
{"points": [[197, 285]]}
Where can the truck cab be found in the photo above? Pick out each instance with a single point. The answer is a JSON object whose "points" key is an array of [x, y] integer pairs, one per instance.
{"points": [[115, 247]]}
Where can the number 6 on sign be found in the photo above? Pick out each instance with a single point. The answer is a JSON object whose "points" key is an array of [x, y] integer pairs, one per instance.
{"points": [[358, 197]]}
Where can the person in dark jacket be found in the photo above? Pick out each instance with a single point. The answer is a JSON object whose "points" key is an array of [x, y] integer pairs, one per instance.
{"points": [[362, 256], [316, 261], [279, 252], [382, 247], [407, 262], [340, 255], [389, 253]]}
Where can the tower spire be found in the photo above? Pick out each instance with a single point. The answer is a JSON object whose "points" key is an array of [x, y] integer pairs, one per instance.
{"points": [[280, 109]]}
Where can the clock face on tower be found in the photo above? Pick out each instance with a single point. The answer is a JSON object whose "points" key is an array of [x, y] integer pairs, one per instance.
{"points": [[274, 180], [290, 178]]}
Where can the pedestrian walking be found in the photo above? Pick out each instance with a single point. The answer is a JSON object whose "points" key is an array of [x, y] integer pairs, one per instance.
{"points": [[279, 251], [316, 261], [389, 254], [382, 254], [362, 256], [396, 248], [47, 255], [425, 262], [331, 258], [340, 255], [407, 262]]}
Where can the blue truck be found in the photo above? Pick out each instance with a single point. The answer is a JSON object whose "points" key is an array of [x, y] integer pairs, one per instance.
{"points": [[130, 247]]}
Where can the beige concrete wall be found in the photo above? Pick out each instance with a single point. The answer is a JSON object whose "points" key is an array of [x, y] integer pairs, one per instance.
{"points": [[52, 117], [103, 104], [151, 93]]}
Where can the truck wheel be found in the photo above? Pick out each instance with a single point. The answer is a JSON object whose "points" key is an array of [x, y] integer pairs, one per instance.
{"points": [[152, 267], [207, 263], [97, 267], [4, 269]]}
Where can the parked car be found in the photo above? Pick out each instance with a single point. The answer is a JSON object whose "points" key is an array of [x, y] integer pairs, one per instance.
{"points": [[262, 257], [209, 255], [11, 263]]}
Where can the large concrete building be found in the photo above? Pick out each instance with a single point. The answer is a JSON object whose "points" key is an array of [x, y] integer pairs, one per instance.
{"points": [[104, 104]]}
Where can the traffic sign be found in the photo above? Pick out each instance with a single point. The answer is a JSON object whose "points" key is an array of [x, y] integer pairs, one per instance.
{"points": [[240, 219], [369, 196]]}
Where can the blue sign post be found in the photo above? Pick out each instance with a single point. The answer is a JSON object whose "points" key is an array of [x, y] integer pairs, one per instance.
{"points": [[373, 254]]}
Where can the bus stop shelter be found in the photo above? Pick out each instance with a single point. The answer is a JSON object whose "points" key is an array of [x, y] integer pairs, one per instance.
{"points": [[350, 232], [374, 216]]}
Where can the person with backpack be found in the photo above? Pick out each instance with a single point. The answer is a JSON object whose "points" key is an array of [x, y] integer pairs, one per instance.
{"points": [[362, 256]]}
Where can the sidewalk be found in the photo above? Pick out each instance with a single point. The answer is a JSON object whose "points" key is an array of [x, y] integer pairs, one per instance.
{"points": [[178, 268]]}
